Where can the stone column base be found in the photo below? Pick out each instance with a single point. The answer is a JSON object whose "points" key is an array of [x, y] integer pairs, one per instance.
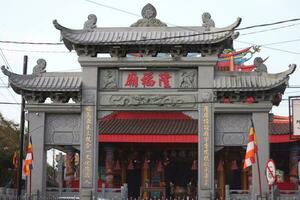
{"points": [[204, 195], [86, 194]]}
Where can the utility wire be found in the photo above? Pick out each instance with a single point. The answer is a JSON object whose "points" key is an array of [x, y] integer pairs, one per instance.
{"points": [[271, 29], [164, 38], [267, 47]]}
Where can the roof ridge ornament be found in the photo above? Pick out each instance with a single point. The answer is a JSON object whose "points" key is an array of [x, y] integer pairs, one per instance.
{"points": [[207, 21], [6, 71], [91, 23], [149, 18], [40, 67]]}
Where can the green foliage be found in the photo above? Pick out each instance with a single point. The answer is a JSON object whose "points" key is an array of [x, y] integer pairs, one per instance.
{"points": [[9, 143]]}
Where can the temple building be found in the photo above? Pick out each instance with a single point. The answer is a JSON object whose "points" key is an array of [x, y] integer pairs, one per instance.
{"points": [[168, 112]]}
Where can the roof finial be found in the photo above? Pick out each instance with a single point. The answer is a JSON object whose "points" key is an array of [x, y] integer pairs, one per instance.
{"points": [[207, 21], [40, 67], [149, 18], [90, 24], [148, 11]]}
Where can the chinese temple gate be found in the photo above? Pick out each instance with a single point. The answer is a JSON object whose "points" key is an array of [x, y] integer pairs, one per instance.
{"points": [[170, 109]]}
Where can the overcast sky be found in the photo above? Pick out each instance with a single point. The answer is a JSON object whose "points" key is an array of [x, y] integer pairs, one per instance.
{"points": [[31, 20]]}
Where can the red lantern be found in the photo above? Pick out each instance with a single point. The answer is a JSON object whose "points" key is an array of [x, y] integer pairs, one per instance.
{"points": [[130, 165], [194, 165], [146, 164], [117, 166], [250, 99], [160, 167], [226, 100], [220, 166], [234, 165]]}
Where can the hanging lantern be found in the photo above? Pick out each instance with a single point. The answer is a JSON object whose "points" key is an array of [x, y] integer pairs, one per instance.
{"points": [[194, 165], [220, 166], [234, 165], [117, 166], [226, 100], [130, 165], [250, 99], [146, 164], [160, 167]]}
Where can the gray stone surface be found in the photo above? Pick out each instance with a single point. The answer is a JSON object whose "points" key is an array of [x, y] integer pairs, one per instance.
{"points": [[148, 100], [89, 134], [260, 121], [63, 129]]}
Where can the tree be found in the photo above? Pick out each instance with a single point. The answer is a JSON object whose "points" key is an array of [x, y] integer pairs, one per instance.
{"points": [[9, 143]]}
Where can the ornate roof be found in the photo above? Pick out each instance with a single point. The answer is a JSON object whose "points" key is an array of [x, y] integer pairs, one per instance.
{"points": [[50, 81], [251, 81], [148, 123], [148, 32], [36, 87]]}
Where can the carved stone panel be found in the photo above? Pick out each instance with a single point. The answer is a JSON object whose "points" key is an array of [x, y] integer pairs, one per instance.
{"points": [[108, 79], [149, 100], [232, 129], [63, 129], [187, 79]]}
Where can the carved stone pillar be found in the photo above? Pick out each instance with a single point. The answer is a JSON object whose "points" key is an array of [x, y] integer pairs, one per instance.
{"points": [[261, 125], [37, 132], [109, 166], [206, 130], [89, 136]]}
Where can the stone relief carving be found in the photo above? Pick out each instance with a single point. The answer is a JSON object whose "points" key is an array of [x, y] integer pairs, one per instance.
{"points": [[90, 24], [149, 18], [149, 100], [207, 21], [40, 67], [206, 97], [63, 129], [109, 79], [187, 79]]}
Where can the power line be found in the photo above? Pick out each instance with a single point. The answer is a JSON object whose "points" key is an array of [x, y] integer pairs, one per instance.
{"points": [[6, 62], [271, 29], [35, 51], [32, 43], [276, 49]]}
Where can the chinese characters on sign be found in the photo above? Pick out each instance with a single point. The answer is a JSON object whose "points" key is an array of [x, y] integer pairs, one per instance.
{"points": [[88, 146], [148, 79], [296, 116], [206, 159]]}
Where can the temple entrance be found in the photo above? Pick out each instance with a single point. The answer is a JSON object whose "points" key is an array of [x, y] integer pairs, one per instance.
{"points": [[229, 170]]}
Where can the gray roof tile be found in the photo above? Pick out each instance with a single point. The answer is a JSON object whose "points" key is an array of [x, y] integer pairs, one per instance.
{"points": [[240, 81], [49, 81], [147, 35]]}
